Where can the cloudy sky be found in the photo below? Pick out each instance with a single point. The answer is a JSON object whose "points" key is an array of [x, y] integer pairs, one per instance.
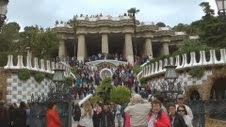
{"points": [[45, 12]]}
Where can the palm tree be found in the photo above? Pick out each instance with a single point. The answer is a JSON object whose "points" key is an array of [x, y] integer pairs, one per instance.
{"points": [[132, 13], [74, 23]]}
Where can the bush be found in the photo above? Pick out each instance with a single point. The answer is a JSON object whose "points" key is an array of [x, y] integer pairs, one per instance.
{"points": [[96, 98], [142, 81], [39, 77], [196, 72], [49, 76], [24, 74], [136, 68], [104, 89], [74, 70], [68, 81], [120, 95]]}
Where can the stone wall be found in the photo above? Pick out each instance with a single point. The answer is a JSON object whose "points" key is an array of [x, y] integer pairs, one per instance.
{"points": [[214, 123], [3, 84]]}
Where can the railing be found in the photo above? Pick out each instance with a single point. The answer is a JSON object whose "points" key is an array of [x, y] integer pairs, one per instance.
{"points": [[41, 65], [104, 18], [182, 62]]}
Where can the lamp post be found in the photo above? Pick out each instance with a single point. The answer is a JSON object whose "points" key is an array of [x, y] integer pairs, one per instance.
{"points": [[221, 6], [3, 11], [170, 90], [58, 79]]}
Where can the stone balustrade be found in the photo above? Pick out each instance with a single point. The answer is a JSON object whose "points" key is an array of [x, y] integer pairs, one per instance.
{"points": [[180, 33], [103, 18], [40, 65], [183, 62]]}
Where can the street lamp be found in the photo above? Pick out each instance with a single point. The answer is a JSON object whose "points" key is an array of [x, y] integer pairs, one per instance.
{"points": [[169, 89], [3, 11], [58, 79], [221, 4]]}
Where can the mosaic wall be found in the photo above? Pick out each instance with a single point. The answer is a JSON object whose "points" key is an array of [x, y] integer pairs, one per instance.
{"points": [[18, 90]]}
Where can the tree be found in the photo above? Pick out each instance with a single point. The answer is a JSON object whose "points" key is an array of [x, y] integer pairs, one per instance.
{"points": [[42, 42], [74, 23], [104, 89], [207, 10], [132, 12], [160, 24], [120, 95], [9, 37], [211, 29]]}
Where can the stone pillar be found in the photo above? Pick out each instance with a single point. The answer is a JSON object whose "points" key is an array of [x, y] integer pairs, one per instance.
{"points": [[104, 43], [148, 48], [81, 51], [61, 51], [165, 48], [128, 48]]}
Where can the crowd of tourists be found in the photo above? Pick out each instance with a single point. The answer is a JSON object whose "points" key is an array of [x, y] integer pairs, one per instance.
{"points": [[138, 113], [13, 116], [104, 56]]}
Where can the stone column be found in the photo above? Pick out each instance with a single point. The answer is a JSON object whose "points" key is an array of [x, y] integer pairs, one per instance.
{"points": [[61, 51], [128, 47], [165, 48], [104, 43], [148, 48], [81, 51]]}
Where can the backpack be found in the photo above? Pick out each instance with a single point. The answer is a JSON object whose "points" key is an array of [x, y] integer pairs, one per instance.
{"points": [[77, 113]]}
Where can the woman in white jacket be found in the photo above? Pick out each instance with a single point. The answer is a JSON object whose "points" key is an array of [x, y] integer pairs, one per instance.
{"points": [[182, 111], [86, 115]]}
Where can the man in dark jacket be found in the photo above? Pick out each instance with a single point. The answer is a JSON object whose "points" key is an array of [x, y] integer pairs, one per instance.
{"points": [[20, 116], [107, 118], [3, 115], [176, 120]]}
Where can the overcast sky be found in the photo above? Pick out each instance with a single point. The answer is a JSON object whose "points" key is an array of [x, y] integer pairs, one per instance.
{"points": [[45, 12]]}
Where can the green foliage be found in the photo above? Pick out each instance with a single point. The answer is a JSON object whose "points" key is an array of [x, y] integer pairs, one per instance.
{"points": [[103, 90], [196, 72], [39, 77], [43, 42], [161, 24], [105, 84], [136, 68], [191, 46], [49, 76], [96, 98], [68, 81], [142, 81], [74, 70], [24, 74], [120, 95], [133, 11]]}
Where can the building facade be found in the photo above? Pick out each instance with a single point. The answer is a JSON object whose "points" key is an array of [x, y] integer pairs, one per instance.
{"points": [[115, 35]]}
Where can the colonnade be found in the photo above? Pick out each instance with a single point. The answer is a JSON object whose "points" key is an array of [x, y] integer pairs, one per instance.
{"points": [[127, 50]]}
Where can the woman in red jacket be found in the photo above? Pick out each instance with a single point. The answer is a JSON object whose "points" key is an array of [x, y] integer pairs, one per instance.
{"points": [[52, 118], [157, 118]]}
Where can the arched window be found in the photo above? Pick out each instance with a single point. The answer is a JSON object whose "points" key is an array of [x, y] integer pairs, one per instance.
{"points": [[195, 95]]}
